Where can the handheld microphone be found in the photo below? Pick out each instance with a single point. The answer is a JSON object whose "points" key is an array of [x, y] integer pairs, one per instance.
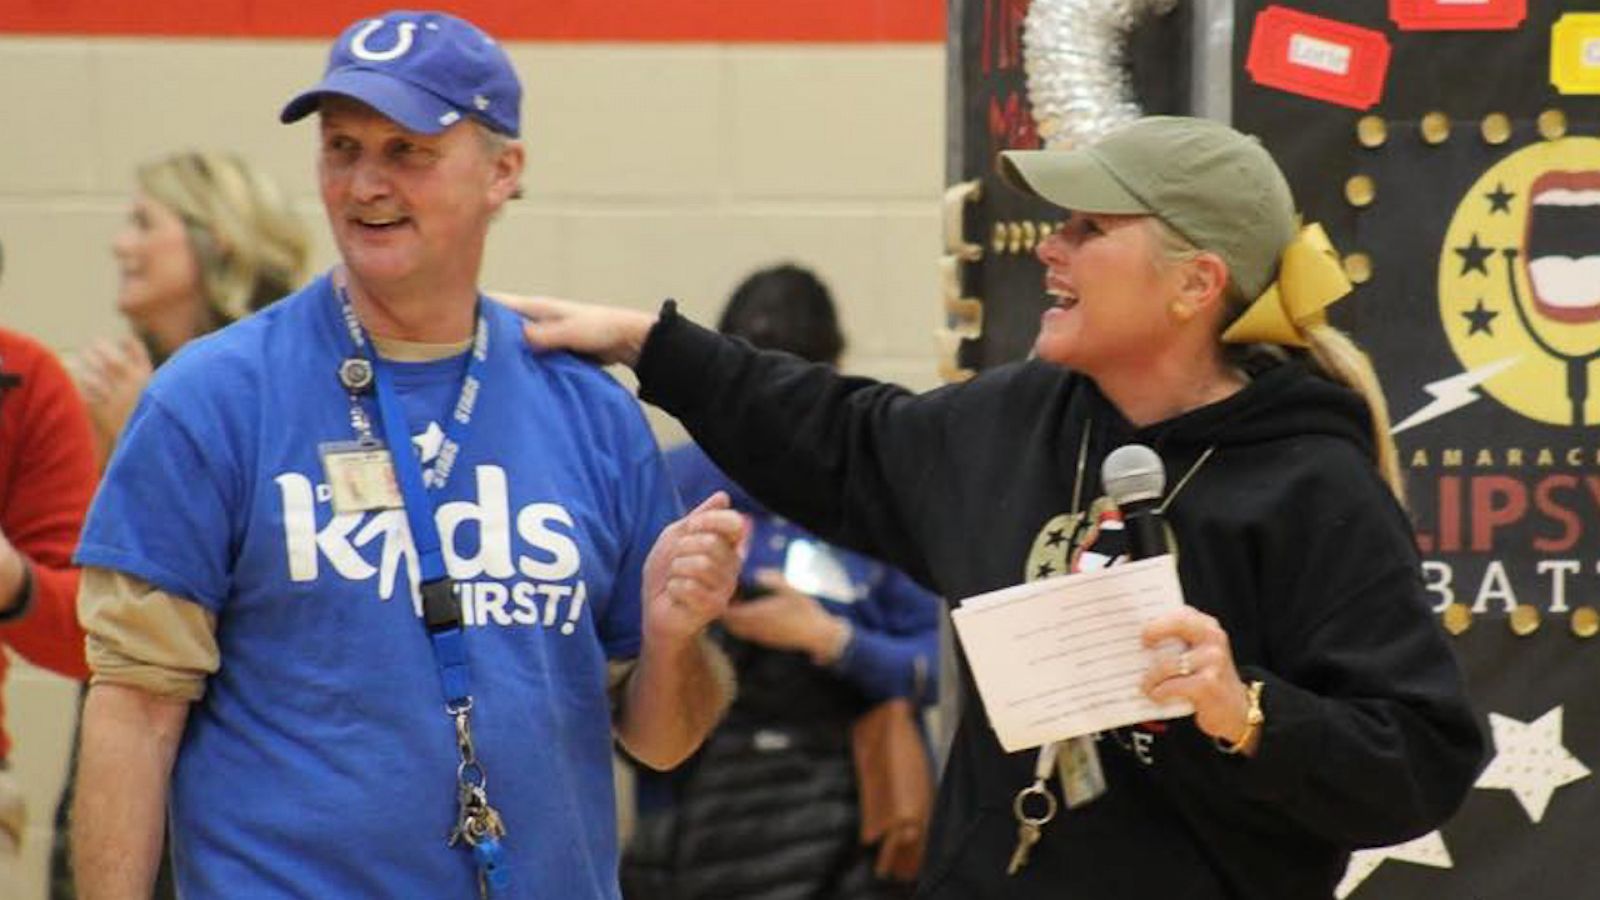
{"points": [[1134, 479]]}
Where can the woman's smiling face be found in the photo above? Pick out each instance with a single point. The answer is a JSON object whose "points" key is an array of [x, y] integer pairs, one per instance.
{"points": [[1112, 291]]}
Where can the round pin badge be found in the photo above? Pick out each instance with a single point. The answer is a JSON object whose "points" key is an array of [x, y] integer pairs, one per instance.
{"points": [[355, 374]]}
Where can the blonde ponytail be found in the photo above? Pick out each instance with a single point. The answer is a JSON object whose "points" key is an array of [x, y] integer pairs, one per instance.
{"points": [[1340, 359]]}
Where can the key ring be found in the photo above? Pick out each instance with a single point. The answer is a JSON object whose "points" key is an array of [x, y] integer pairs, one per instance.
{"points": [[470, 775], [1019, 805]]}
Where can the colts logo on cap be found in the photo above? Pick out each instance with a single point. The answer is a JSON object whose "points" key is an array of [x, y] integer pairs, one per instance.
{"points": [[358, 44]]}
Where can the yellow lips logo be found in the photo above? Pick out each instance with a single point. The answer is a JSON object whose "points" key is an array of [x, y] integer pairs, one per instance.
{"points": [[1519, 280]]}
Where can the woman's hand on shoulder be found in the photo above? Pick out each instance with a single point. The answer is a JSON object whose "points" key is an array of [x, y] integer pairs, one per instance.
{"points": [[608, 333]]}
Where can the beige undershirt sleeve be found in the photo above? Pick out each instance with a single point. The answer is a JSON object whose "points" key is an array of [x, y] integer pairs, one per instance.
{"points": [[618, 671], [143, 637]]}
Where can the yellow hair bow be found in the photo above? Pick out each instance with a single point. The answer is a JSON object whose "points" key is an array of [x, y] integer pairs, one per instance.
{"points": [[1310, 279]]}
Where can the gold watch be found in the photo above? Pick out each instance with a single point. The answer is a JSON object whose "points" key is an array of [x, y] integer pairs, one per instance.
{"points": [[1253, 720]]}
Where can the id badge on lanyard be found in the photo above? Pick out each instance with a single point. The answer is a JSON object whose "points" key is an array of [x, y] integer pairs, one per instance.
{"points": [[360, 476]]}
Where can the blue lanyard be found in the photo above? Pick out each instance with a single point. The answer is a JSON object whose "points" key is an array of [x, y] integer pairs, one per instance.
{"points": [[440, 609]]}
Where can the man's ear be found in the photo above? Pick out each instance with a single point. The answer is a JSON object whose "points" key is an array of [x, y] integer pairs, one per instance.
{"points": [[506, 181]]}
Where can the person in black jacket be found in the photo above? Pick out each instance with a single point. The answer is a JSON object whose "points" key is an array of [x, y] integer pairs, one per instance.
{"points": [[1330, 713]]}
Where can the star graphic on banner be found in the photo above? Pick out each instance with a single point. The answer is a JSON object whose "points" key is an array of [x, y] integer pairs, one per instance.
{"points": [[1045, 571], [1500, 199], [1480, 319], [429, 442], [1473, 256], [1057, 536], [1530, 760], [1428, 850]]}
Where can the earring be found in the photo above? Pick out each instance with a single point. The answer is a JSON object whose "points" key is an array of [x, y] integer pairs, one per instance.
{"points": [[1181, 311]]}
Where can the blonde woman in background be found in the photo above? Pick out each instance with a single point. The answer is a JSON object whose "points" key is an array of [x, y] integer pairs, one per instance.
{"points": [[208, 240]]}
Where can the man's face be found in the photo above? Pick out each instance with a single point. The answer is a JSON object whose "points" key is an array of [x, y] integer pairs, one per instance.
{"points": [[410, 209]]}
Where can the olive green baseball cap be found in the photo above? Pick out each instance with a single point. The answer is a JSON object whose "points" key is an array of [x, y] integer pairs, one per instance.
{"points": [[1217, 187]]}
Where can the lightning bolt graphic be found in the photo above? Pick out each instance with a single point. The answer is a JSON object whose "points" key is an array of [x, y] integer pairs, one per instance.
{"points": [[1450, 394]]}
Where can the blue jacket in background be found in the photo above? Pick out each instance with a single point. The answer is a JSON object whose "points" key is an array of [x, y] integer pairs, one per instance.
{"points": [[894, 650]]}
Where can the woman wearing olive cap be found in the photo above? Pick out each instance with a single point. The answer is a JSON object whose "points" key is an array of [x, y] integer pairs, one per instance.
{"points": [[1329, 714]]}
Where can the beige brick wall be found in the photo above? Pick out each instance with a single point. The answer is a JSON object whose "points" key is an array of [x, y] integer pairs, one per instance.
{"points": [[653, 171]]}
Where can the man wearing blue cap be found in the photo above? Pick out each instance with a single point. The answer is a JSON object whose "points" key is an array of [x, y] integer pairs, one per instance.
{"points": [[364, 550]]}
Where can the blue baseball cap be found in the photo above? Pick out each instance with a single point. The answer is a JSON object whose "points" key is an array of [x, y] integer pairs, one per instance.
{"points": [[424, 70]]}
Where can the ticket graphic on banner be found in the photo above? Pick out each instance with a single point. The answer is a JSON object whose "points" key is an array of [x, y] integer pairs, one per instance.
{"points": [[1317, 57], [1575, 53], [1458, 15]]}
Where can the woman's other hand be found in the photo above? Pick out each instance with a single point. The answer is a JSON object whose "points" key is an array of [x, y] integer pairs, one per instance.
{"points": [[1202, 673]]}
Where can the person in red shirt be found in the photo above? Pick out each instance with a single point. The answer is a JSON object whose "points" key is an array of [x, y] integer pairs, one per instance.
{"points": [[47, 477]]}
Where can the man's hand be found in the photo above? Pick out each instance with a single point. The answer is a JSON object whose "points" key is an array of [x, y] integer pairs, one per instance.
{"points": [[692, 571], [682, 684], [609, 334], [786, 619]]}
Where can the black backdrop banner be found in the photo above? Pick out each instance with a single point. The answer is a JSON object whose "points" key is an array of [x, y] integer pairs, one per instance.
{"points": [[1466, 201]]}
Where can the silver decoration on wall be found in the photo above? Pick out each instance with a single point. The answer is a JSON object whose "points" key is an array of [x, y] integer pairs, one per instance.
{"points": [[1073, 55], [1211, 65]]}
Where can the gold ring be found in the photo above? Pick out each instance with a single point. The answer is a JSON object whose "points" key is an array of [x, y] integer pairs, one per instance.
{"points": [[1184, 668]]}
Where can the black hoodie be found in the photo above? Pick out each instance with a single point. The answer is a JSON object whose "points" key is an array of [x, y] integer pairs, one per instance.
{"points": [[1285, 533]]}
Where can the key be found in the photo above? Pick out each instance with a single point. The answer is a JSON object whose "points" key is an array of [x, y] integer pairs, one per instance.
{"points": [[478, 821], [490, 823], [1029, 826], [1027, 836], [470, 804]]}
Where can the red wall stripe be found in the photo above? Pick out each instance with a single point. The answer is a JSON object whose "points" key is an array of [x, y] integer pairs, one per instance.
{"points": [[850, 21]]}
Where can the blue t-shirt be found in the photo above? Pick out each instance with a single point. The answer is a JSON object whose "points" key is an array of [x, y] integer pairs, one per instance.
{"points": [[320, 762]]}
